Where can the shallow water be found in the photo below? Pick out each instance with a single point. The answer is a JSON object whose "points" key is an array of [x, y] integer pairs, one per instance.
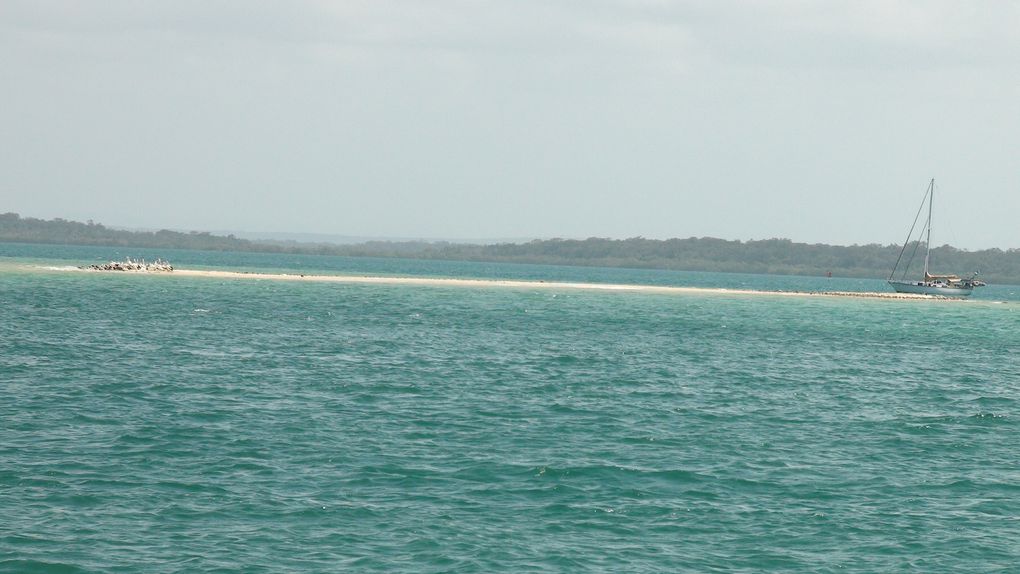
{"points": [[172, 424]]}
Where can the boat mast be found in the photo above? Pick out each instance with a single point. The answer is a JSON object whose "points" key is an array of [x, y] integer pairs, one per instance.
{"points": [[927, 254]]}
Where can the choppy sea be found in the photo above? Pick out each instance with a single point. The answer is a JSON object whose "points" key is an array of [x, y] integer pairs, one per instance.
{"points": [[187, 424]]}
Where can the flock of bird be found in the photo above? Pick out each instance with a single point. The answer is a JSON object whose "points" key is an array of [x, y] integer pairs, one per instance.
{"points": [[130, 265]]}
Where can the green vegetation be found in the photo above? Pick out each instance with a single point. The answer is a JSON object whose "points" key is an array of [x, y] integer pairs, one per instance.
{"points": [[777, 256], [16, 229]]}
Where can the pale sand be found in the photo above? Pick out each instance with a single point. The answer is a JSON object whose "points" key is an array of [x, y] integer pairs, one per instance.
{"points": [[477, 283]]}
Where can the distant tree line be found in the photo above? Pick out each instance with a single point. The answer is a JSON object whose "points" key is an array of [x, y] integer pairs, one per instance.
{"points": [[775, 256], [14, 228]]}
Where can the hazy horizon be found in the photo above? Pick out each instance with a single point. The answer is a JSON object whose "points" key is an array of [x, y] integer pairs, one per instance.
{"points": [[819, 123], [338, 239]]}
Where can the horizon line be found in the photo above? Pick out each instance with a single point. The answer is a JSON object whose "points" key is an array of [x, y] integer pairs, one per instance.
{"points": [[362, 239]]}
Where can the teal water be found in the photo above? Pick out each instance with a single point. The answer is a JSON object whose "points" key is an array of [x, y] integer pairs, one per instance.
{"points": [[173, 424]]}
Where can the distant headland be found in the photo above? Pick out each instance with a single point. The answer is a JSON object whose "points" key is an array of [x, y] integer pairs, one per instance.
{"points": [[771, 256]]}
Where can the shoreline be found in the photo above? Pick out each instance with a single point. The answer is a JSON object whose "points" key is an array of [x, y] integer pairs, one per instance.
{"points": [[520, 284]]}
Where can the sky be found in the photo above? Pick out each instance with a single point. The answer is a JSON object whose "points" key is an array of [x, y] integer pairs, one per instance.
{"points": [[820, 122]]}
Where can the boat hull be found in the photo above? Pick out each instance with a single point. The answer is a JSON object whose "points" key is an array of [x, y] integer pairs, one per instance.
{"points": [[922, 288]]}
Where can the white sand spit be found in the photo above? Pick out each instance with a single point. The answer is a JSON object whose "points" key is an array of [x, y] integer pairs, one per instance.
{"points": [[516, 284]]}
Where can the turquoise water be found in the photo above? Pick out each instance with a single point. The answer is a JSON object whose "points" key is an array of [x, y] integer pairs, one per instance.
{"points": [[173, 424]]}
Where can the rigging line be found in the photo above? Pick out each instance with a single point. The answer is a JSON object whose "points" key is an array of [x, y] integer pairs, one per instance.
{"points": [[917, 244], [948, 232], [910, 234], [927, 241]]}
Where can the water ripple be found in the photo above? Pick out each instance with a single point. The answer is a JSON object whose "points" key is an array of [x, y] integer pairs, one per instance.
{"points": [[178, 425]]}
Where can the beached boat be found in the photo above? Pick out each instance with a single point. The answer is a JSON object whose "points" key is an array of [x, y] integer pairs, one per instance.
{"points": [[944, 285]]}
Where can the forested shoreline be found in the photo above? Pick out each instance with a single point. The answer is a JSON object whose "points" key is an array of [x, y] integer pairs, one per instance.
{"points": [[773, 256]]}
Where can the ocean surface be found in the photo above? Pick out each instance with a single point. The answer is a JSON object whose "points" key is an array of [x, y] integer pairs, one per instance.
{"points": [[157, 424]]}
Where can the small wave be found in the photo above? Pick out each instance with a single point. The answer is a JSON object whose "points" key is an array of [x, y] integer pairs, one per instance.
{"points": [[22, 565], [21, 361], [203, 352], [58, 267], [989, 416]]}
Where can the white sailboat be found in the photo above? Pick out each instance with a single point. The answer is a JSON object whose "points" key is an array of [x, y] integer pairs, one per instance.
{"points": [[944, 285]]}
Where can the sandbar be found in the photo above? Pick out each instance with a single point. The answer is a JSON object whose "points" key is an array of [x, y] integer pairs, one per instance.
{"points": [[533, 284]]}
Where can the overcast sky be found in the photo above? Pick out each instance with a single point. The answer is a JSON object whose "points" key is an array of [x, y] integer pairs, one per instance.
{"points": [[815, 121]]}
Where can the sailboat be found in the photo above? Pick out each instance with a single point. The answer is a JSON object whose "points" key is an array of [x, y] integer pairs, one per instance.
{"points": [[944, 285]]}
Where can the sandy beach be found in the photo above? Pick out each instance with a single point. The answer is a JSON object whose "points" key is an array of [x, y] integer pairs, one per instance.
{"points": [[517, 284]]}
